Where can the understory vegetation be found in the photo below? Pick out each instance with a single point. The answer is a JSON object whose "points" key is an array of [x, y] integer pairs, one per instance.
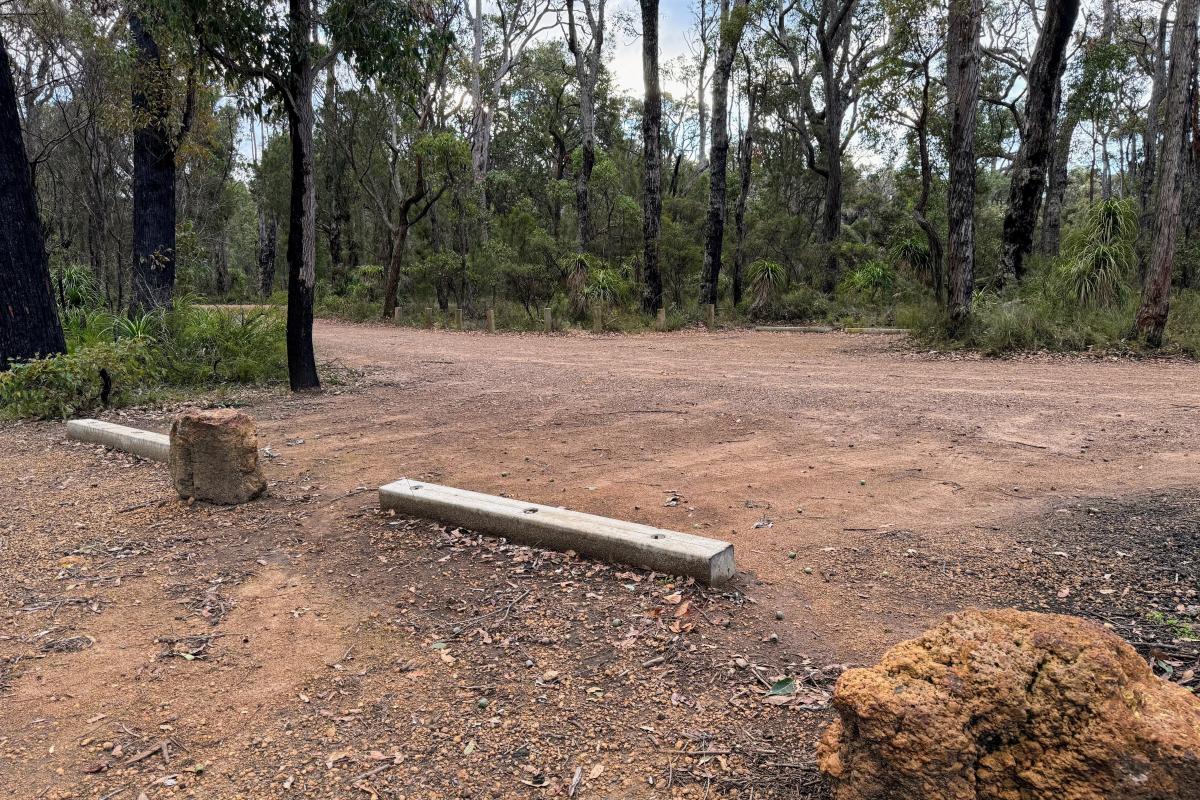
{"points": [[115, 360]]}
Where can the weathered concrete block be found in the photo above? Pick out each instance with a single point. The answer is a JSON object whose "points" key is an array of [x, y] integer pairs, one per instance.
{"points": [[147, 444], [214, 456], [612, 540]]}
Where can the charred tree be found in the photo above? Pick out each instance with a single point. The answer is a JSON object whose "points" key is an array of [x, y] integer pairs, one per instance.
{"points": [[1037, 137], [29, 325], [651, 147]]}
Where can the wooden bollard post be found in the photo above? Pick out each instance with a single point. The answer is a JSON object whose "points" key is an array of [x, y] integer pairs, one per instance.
{"points": [[491, 320], [549, 320], [597, 319], [429, 318], [458, 318], [662, 319], [396, 315], [710, 316]]}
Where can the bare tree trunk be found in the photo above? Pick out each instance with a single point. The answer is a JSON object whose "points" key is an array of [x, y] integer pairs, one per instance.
{"points": [[745, 174], [652, 149], [1152, 317], [268, 232], [29, 325], [587, 71], [1150, 141], [702, 108], [153, 176], [921, 209], [302, 227], [1034, 154], [962, 81], [731, 25]]}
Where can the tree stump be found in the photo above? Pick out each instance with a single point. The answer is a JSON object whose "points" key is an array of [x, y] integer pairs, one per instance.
{"points": [[214, 456]]}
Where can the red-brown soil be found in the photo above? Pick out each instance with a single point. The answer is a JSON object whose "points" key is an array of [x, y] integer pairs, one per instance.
{"points": [[289, 647]]}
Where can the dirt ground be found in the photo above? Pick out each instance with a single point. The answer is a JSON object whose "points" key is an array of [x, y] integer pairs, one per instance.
{"points": [[307, 645]]}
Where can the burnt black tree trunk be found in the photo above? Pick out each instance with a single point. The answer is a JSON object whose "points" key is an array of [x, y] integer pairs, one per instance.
{"points": [[652, 291], [302, 227], [1152, 316], [153, 175], [1037, 139], [733, 20], [29, 325], [962, 83]]}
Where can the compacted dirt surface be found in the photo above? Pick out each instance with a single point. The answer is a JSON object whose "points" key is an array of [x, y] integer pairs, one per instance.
{"points": [[308, 645]]}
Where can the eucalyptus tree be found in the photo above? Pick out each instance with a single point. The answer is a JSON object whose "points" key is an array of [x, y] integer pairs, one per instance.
{"points": [[585, 41], [159, 129], [276, 51], [652, 155], [512, 26], [963, 52], [832, 48], [733, 22], [1029, 167], [29, 324], [1151, 318]]}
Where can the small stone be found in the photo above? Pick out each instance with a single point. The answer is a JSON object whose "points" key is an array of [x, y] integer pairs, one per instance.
{"points": [[778, 615], [482, 702]]}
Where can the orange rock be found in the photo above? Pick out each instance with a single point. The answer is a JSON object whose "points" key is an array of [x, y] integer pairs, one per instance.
{"points": [[1012, 705]]}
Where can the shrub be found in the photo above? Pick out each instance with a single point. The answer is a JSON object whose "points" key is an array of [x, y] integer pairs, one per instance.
{"points": [[766, 279], [183, 347], [1100, 254], [65, 385], [873, 279]]}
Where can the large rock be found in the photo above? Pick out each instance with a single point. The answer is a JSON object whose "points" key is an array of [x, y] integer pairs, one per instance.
{"points": [[1011, 705], [214, 456]]}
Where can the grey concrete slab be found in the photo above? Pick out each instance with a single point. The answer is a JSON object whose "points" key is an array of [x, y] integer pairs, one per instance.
{"points": [[794, 328], [147, 444], [707, 560], [884, 331]]}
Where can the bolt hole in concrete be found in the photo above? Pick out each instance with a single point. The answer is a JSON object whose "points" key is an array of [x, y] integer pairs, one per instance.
{"points": [[531, 511], [658, 536]]}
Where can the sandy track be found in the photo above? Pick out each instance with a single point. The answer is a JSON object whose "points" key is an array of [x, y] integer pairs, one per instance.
{"points": [[822, 441]]}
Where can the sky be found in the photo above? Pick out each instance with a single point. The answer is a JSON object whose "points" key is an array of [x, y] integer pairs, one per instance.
{"points": [[676, 20]]}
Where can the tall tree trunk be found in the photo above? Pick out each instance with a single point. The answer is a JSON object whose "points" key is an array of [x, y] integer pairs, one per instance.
{"points": [[302, 226], [1152, 317], [396, 266], [962, 82], [745, 175], [587, 72], [153, 176], [701, 107], [652, 149], [1056, 184], [1148, 172], [29, 325], [831, 142], [731, 25], [921, 209], [268, 233], [1034, 154]]}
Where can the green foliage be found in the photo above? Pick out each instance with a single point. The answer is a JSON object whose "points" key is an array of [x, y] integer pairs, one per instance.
{"points": [[1100, 254], [766, 279], [913, 253], [183, 347], [70, 384], [873, 279]]}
